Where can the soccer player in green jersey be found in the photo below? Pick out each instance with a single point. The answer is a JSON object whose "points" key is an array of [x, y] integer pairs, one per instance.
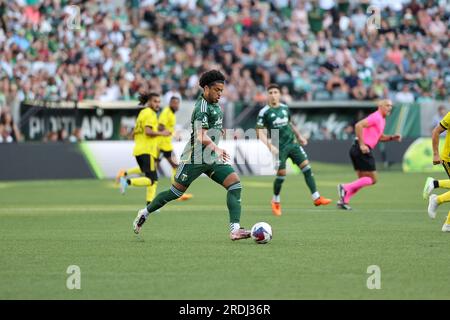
{"points": [[202, 155], [288, 144]]}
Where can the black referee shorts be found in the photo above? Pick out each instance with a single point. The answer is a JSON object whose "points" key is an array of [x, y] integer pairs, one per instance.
{"points": [[362, 161], [147, 165]]}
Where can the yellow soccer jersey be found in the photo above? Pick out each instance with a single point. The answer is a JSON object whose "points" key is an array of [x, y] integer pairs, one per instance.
{"points": [[445, 152], [168, 119], [144, 144]]}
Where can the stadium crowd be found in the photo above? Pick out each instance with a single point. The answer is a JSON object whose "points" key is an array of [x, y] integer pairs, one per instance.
{"points": [[317, 50]]}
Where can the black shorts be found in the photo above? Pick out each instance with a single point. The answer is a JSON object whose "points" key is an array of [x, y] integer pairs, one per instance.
{"points": [[362, 161], [446, 166], [165, 154], [147, 165]]}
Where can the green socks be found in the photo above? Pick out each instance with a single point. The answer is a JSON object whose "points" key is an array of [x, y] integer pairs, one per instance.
{"points": [[309, 178], [234, 202]]}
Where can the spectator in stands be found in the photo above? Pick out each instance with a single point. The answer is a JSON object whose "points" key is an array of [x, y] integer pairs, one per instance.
{"points": [[441, 112], [9, 132], [404, 96], [336, 83]]}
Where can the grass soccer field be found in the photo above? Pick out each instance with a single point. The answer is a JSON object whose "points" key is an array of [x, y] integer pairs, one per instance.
{"points": [[184, 251]]}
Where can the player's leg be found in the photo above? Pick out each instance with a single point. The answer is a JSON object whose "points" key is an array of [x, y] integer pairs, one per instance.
{"points": [[364, 165], [434, 200], [365, 178], [169, 155], [277, 184], [225, 175], [186, 174], [152, 174], [446, 225], [300, 158], [123, 173], [431, 183], [143, 161]]}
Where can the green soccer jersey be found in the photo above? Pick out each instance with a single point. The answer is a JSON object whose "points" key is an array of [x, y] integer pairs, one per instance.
{"points": [[205, 116], [277, 118]]}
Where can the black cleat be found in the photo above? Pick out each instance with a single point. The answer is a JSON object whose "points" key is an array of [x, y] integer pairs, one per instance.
{"points": [[343, 206]]}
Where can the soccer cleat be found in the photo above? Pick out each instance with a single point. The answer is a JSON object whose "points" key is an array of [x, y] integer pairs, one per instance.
{"points": [[123, 185], [239, 234], [185, 196], [139, 221], [428, 188], [343, 206], [341, 193], [276, 208], [446, 227], [432, 206], [321, 201], [120, 174]]}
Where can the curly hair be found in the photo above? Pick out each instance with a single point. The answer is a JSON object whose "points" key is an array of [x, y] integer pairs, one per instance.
{"points": [[211, 77], [144, 97]]}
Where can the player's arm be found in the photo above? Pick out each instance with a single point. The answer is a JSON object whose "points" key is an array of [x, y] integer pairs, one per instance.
{"points": [[388, 137], [205, 140], [152, 133], [261, 134], [435, 141], [301, 139], [360, 125]]}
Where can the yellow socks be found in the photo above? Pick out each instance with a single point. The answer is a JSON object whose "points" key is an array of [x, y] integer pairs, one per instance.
{"points": [[151, 191], [134, 170], [140, 182], [444, 184], [444, 198]]}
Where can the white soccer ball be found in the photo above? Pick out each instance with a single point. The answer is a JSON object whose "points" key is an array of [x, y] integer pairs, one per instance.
{"points": [[261, 232]]}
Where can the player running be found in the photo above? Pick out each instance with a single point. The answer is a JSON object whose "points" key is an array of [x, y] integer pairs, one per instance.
{"points": [[369, 132], [202, 155], [431, 184], [145, 147], [276, 116]]}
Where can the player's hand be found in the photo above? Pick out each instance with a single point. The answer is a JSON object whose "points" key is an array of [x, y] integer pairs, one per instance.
{"points": [[397, 137], [165, 133], [436, 159], [303, 141], [223, 154], [364, 149], [274, 150]]}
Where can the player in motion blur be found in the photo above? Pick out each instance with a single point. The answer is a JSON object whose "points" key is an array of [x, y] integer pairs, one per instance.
{"points": [[145, 147], [369, 131], [430, 183], [202, 155], [276, 116], [167, 121]]}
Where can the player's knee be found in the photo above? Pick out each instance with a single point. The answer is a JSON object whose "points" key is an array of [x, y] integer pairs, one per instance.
{"points": [[235, 187], [374, 180], [152, 175]]}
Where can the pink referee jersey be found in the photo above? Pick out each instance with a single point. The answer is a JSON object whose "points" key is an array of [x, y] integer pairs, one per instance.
{"points": [[372, 134]]}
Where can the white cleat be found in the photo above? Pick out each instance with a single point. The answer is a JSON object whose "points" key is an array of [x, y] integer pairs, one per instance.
{"points": [[446, 227], [139, 221], [432, 206], [428, 188]]}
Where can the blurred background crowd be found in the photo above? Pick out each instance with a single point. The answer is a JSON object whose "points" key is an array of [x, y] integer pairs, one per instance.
{"points": [[316, 50]]}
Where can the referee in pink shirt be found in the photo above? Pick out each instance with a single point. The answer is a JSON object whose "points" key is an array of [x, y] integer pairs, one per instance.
{"points": [[369, 132]]}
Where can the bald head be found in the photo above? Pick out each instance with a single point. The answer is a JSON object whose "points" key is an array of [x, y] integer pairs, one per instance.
{"points": [[385, 107]]}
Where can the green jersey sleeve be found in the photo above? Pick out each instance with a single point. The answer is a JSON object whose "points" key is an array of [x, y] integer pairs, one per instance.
{"points": [[261, 120]]}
